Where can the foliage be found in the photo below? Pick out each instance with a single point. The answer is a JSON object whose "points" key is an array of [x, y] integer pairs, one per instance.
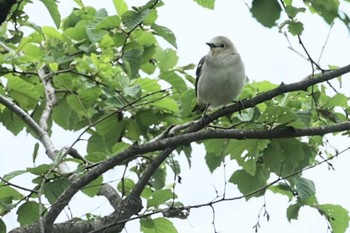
{"points": [[115, 83]]}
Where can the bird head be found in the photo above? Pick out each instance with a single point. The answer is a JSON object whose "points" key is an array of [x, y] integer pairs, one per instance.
{"points": [[221, 45]]}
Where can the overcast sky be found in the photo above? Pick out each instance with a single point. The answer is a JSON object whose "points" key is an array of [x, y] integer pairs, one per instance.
{"points": [[267, 57]]}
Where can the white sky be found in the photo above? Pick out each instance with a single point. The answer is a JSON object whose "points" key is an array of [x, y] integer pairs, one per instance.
{"points": [[267, 57]]}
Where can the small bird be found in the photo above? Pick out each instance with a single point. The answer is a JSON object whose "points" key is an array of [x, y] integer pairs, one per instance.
{"points": [[220, 75]]}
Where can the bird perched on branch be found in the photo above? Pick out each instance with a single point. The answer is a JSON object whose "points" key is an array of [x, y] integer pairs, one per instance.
{"points": [[220, 75]]}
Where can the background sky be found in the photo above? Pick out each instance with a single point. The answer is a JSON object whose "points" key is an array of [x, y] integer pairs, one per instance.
{"points": [[266, 56]]}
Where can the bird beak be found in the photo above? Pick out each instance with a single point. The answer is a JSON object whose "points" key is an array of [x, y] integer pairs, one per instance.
{"points": [[211, 45]]}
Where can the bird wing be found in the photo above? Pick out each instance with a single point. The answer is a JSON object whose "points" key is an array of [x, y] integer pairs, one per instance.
{"points": [[198, 72]]}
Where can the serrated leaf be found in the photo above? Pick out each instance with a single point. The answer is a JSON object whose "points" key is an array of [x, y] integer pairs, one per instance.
{"points": [[282, 156], [278, 115], [120, 6], [158, 225], [293, 11], [215, 153], [295, 28], [132, 19], [166, 33], [53, 189], [28, 213], [293, 211], [304, 187], [267, 12], [176, 81], [338, 100], [166, 59], [252, 186], [54, 12], [166, 104], [283, 189], [210, 4], [158, 178], [246, 152], [160, 197], [132, 59], [337, 216], [93, 187]]}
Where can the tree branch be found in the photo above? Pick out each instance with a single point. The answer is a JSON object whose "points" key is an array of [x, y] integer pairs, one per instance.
{"points": [[190, 135]]}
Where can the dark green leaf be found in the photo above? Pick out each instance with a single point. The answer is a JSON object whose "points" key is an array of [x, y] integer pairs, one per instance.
{"points": [[295, 28], [39, 170], [93, 187], [246, 152], [305, 188], [215, 152], [2, 227], [132, 18], [283, 189], [158, 178], [293, 211], [35, 152], [28, 213], [278, 115], [267, 12], [53, 189], [251, 186], [282, 156], [166, 33]]}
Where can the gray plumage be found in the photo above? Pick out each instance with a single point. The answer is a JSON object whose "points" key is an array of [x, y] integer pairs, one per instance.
{"points": [[220, 75]]}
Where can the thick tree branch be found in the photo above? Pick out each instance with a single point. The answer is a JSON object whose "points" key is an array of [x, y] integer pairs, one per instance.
{"points": [[46, 75], [38, 131], [191, 136]]}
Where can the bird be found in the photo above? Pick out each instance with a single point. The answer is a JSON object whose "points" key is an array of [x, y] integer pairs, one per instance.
{"points": [[220, 75]]}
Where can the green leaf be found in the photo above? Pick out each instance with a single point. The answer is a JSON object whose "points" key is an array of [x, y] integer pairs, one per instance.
{"points": [[327, 9], [35, 152], [305, 188], [25, 93], [7, 192], [160, 197], [177, 82], [293, 211], [120, 6], [215, 152], [28, 213], [246, 152], [206, 3], [2, 227], [252, 186], [293, 11], [125, 186], [283, 189], [295, 28], [13, 174], [148, 85], [132, 59], [131, 19], [12, 122], [267, 12], [53, 10], [158, 225], [158, 178], [39, 170], [188, 102], [93, 187], [336, 215], [166, 59], [338, 100], [166, 33], [278, 115], [53, 189], [109, 22], [282, 156], [166, 104]]}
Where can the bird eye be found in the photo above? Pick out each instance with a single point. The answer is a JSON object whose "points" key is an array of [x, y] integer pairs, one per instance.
{"points": [[222, 45]]}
